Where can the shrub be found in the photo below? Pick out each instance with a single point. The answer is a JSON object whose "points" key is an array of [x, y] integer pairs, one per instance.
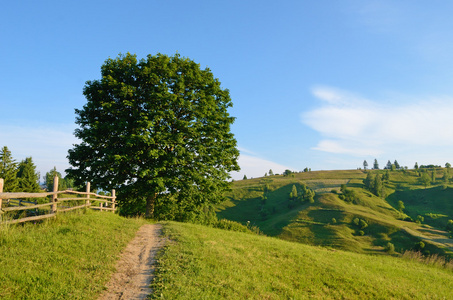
{"points": [[390, 248], [230, 225]]}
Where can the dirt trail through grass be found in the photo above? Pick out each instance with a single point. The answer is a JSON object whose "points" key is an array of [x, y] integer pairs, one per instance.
{"points": [[135, 269]]}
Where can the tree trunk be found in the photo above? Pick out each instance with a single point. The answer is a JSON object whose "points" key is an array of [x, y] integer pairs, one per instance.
{"points": [[150, 205]]}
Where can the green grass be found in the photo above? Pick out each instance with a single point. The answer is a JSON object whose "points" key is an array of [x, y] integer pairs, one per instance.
{"points": [[207, 263], [312, 223], [70, 257]]}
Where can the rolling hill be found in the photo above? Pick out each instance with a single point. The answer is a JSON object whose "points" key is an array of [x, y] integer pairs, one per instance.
{"points": [[361, 222]]}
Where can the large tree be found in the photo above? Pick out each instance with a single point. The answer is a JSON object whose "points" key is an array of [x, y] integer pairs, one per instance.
{"points": [[158, 131]]}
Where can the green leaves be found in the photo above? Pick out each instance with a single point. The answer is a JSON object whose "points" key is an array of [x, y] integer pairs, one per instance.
{"points": [[162, 125]]}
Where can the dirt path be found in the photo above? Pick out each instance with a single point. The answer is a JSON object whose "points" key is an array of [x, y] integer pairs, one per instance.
{"points": [[134, 271]]}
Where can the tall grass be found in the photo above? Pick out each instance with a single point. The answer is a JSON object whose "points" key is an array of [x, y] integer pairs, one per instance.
{"points": [[208, 263], [69, 257]]}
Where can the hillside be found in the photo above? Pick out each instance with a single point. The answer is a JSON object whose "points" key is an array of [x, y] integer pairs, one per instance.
{"points": [[69, 257], [207, 263], [362, 223]]}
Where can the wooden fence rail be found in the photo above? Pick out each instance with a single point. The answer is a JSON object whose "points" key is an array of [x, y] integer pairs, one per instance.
{"points": [[105, 202]]}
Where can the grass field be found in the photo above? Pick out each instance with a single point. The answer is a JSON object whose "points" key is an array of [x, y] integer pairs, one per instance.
{"points": [[329, 221], [70, 257], [206, 263]]}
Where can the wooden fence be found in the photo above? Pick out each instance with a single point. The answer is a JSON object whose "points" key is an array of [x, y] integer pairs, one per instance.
{"points": [[55, 204]]}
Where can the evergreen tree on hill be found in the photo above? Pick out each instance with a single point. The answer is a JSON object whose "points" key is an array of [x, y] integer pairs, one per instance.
{"points": [[8, 171], [397, 165], [49, 178], [28, 177], [375, 164]]}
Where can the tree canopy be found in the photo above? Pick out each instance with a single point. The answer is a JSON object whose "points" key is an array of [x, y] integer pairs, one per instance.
{"points": [[158, 131]]}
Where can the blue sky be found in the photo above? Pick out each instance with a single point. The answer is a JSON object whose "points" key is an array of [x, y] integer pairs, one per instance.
{"points": [[318, 84]]}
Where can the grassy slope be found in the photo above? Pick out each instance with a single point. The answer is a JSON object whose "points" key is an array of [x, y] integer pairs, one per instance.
{"points": [[70, 257], [207, 263], [313, 223]]}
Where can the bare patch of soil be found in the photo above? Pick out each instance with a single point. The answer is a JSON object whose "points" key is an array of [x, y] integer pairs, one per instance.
{"points": [[135, 269]]}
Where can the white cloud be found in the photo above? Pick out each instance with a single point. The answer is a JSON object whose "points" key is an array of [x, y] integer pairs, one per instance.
{"points": [[357, 126], [254, 166]]}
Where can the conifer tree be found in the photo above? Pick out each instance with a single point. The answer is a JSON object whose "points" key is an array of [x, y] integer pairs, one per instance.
{"points": [[375, 164], [28, 177], [378, 186], [8, 171], [365, 165], [49, 180], [397, 165]]}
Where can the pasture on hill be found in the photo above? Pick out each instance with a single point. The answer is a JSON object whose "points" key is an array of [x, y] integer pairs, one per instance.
{"points": [[69, 257], [354, 219], [207, 263]]}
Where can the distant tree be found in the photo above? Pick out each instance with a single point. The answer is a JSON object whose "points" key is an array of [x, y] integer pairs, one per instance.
{"points": [[401, 206], [49, 178], [416, 166], [446, 177], [365, 165], [397, 165], [348, 195], [245, 177], [425, 180], [388, 166], [8, 171], [293, 194], [28, 177], [378, 188], [375, 164], [433, 176], [386, 176], [306, 169], [271, 172], [448, 165], [287, 172], [311, 196], [369, 182]]}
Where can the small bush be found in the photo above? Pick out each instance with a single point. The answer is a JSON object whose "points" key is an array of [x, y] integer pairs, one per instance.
{"points": [[390, 248], [230, 225]]}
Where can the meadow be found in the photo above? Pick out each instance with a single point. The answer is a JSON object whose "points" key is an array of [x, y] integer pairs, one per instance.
{"points": [[363, 222], [330, 248], [207, 263], [69, 257]]}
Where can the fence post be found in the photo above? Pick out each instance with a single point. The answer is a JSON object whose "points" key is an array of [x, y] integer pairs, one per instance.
{"points": [[100, 205], [113, 200], [88, 196], [54, 196], [1, 191]]}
